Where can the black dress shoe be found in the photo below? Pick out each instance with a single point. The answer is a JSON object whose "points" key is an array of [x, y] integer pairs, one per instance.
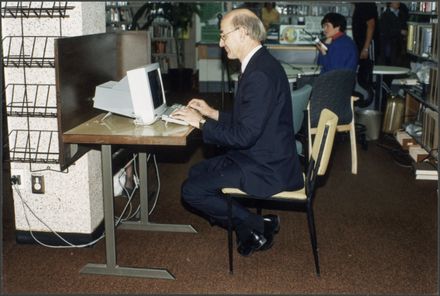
{"points": [[260, 241], [253, 243], [271, 224], [271, 227]]}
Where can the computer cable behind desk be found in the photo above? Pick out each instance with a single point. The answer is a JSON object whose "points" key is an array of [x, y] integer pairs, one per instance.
{"points": [[118, 219], [129, 194]]}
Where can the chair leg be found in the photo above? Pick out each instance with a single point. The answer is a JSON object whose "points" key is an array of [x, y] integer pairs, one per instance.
{"points": [[312, 232], [230, 253], [353, 149]]}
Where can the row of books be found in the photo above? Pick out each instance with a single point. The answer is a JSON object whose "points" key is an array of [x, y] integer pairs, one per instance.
{"points": [[423, 6], [432, 91], [430, 132], [162, 30], [425, 170], [434, 46], [420, 38]]}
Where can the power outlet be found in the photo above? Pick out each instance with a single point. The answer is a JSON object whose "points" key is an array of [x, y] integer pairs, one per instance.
{"points": [[17, 178], [37, 184]]}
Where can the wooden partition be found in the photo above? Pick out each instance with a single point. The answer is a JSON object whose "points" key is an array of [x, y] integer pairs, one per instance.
{"points": [[82, 63]]}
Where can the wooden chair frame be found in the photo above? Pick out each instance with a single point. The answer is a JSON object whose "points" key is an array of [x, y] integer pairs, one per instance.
{"points": [[320, 155]]}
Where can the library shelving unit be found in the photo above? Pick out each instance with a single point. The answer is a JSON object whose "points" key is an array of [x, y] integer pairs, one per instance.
{"points": [[163, 45], [422, 100]]}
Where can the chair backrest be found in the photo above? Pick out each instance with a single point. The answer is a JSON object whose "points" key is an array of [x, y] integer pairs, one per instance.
{"points": [[333, 90], [323, 143], [300, 99]]}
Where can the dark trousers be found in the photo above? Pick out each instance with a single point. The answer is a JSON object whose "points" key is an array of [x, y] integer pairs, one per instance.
{"points": [[201, 191]]}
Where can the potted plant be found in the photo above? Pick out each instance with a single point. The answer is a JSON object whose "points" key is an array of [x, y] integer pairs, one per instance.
{"points": [[180, 16]]}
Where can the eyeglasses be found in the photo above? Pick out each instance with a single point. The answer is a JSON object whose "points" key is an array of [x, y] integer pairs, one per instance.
{"points": [[223, 36]]}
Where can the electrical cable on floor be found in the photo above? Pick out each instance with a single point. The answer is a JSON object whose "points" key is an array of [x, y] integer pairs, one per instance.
{"points": [[118, 219], [158, 185], [136, 180], [399, 156], [69, 244]]}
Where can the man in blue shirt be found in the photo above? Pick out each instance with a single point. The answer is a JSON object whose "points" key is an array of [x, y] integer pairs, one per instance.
{"points": [[341, 52]]}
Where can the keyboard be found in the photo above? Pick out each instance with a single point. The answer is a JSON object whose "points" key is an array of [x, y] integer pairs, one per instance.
{"points": [[167, 117]]}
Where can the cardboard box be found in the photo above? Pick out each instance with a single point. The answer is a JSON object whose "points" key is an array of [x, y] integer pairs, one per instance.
{"points": [[417, 153], [404, 139]]}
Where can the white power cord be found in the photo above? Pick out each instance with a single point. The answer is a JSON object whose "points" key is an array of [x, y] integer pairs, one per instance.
{"points": [[158, 185], [118, 220], [69, 244]]}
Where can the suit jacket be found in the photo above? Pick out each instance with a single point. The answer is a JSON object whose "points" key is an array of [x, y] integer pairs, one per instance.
{"points": [[258, 131]]}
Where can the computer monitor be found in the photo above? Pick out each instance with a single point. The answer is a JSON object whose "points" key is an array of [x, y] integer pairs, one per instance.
{"points": [[140, 95], [147, 93]]}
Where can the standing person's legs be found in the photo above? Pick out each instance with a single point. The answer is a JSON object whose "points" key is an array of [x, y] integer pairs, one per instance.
{"points": [[129, 177]]}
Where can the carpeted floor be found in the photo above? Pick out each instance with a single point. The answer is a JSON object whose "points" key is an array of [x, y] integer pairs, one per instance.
{"points": [[377, 234]]}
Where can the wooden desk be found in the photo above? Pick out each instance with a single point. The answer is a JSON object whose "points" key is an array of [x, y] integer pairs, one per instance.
{"points": [[121, 130]]}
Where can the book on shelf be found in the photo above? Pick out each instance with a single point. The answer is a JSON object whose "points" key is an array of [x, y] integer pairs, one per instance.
{"points": [[405, 81], [424, 40], [426, 177], [430, 129], [435, 32], [425, 168], [433, 87]]}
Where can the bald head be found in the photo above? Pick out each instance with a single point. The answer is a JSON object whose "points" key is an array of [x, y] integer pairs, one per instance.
{"points": [[248, 20]]}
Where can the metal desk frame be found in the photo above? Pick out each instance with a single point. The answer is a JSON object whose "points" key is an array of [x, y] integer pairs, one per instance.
{"points": [[92, 132], [380, 70]]}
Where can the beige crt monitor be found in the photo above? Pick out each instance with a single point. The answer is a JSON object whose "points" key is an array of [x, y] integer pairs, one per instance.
{"points": [[147, 93], [139, 95]]}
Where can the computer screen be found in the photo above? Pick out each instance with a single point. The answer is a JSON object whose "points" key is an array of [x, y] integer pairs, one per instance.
{"points": [[140, 95], [147, 93], [155, 81]]}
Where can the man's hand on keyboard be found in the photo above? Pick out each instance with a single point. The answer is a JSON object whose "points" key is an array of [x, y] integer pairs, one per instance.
{"points": [[189, 115], [204, 108]]}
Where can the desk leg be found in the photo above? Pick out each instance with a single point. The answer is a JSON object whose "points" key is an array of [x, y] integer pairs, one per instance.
{"points": [[143, 223], [378, 102], [110, 268]]}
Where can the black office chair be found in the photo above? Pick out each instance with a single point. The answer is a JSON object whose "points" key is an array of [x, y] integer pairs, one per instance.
{"points": [[318, 163], [333, 90], [300, 100]]}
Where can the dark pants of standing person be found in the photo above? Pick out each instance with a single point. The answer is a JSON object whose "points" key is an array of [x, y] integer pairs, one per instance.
{"points": [[202, 192]]}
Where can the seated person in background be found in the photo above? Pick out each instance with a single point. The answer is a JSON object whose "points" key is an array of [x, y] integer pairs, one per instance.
{"points": [[261, 158], [342, 52], [269, 14]]}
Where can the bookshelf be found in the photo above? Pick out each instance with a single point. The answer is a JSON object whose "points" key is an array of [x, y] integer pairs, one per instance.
{"points": [[422, 45], [118, 15], [163, 47]]}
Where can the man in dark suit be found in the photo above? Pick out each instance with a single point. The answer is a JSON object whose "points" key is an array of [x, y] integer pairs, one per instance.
{"points": [[261, 158]]}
